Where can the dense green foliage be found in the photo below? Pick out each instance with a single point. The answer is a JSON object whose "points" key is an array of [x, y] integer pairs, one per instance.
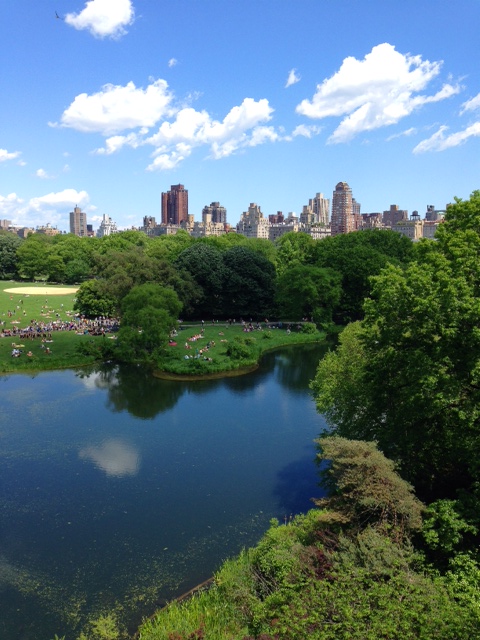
{"points": [[216, 277], [149, 313], [345, 570]]}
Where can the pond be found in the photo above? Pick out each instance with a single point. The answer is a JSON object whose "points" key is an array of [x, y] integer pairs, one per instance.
{"points": [[119, 491]]}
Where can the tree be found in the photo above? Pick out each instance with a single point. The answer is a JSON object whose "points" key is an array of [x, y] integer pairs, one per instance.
{"points": [[358, 257], [365, 488], [205, 264], [305, 291], [94, 300], [9, 244], [149, 314], [413, 383], [293, 249], [33, 257], [249, 284]]}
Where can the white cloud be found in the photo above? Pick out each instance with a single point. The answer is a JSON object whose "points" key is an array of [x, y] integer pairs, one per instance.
{"points": [[472, 104], [103, 18], [65, 199], [115, 143], [10, 205], [406, 133], [116, 108], [7, 155], [41, 173], [439, 141], [374, 92], [306, 131], [52, 207], [172, 62], [174, 140], [293, 78]]}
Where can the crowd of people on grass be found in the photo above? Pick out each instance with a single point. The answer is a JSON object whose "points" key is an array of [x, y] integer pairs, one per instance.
{"points": [[79, 324]]}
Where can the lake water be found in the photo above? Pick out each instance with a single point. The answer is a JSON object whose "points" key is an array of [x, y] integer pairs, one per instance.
{"points": [[119, 490]]}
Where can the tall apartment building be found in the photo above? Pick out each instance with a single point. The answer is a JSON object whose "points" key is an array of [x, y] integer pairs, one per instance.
{"points": [[107, 227], [252, 223], [394, 215], [175, 205], [343, 219], [217, 213], [78, 222]]}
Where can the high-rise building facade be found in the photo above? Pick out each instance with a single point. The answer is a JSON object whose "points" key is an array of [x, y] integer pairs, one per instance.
{"points": [[252, 223], [321, 208], [343, 220], [175, 205], [78, 222], [394, 215], [217, 213]]}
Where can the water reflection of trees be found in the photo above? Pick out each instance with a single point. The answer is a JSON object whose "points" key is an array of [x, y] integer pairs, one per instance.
{"points": [[297, 483], [296, 366], [134, 389], [137, 391]]}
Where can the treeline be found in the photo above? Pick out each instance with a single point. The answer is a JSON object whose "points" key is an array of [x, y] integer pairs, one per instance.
{"points": [[229, 276]]}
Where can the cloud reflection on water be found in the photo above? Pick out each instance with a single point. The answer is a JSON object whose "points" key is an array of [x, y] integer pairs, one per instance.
{"points": [[115, 457]]}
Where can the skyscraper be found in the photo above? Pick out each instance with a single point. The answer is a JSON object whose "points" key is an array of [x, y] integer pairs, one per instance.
{"points": [[175, 205], [217, 213], [78, 222], [343, 220]]}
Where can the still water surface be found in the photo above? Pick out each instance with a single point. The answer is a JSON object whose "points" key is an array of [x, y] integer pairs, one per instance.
{"points": [[118, 490]]}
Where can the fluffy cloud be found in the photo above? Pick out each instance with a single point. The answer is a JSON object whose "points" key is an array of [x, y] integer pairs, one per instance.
{"points": [[52, 207], [243, 126], [103, 18], [10, 205], [293, 78], [116, 108], [6, 155], [172, 62], [439, 141], [374, 92]]}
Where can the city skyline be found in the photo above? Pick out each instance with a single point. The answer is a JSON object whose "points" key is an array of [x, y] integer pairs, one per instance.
{"points": [[268, 102]]}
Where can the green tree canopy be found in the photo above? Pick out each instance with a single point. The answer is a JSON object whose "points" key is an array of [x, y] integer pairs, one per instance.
{"points": [[249, 284], [93, 300], [149, 314], [9, 244], [306, 291], [204, 263]]}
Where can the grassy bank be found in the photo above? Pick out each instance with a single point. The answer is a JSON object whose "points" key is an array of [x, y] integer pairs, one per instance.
{"points": [[213, 350], [222, 349]]}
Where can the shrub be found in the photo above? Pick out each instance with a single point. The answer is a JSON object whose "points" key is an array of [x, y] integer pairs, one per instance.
{"points": [[309, 327]]}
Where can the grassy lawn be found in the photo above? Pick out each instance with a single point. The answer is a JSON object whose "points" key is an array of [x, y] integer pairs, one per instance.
{"points": [[25, 307], [18, 309], [216, 360]]}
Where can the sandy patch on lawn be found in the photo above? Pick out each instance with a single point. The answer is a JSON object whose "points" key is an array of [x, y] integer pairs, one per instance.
{"points": [[43, 291]]}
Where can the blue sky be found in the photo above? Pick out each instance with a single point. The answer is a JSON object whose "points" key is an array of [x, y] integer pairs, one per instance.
{"points": [[266, 101]]}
